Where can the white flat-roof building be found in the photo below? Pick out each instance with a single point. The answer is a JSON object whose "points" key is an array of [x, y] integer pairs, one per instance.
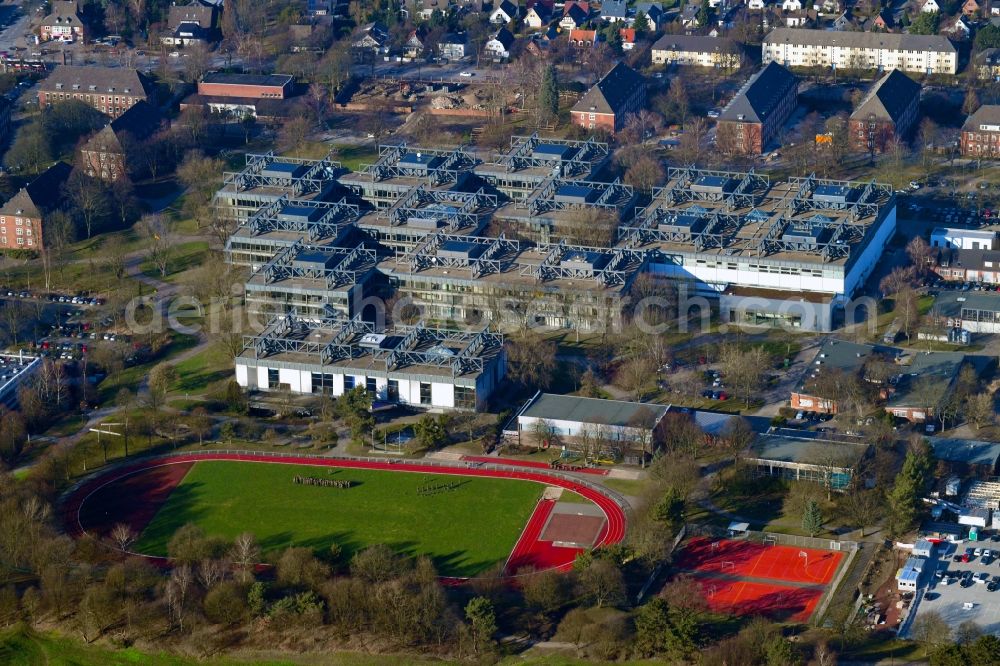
{"points": [[411, 365], [963, 239], [908, 577], [14, 370]]}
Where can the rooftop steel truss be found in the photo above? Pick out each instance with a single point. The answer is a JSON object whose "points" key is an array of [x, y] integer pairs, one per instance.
{"points": [[317, 174], [458, 209], [352, 265], [335, 217], [460, 351], [456, 161], [585, 155]]}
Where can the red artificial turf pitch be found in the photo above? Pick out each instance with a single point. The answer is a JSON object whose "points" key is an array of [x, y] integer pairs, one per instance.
{"points": [[531, 463], [132, 500], [779, 563], [780, 602], [531, 551]]}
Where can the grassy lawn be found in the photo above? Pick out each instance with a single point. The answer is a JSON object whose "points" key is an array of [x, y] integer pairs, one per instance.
{"points": [[465, 530], [352, 157], [132, 377], [625, 486], [185, 256], [203, 369]]}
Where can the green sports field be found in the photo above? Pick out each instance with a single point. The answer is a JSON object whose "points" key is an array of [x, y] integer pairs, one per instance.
{"points": [[465, 530]]}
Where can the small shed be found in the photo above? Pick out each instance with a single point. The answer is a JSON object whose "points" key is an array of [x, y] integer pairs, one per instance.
{"points": [[923, 548]]}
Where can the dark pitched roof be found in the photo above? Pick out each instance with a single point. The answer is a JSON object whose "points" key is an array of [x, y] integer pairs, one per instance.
{"points": [[64, 13], [609, 93], [695, 44], [106, 79], [505, 37], [987, 114], [759, 96], [141, 120], [41, 194], [577, 13], [889, 98], [196, 13]]}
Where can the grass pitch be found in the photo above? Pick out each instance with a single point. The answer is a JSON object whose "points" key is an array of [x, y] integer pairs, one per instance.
{"points": [[465, 530]]}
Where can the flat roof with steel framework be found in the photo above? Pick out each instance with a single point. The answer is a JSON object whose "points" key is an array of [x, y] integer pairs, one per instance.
{"points": [[540, 158], [307, 268], [356, 344], [465, 259], [807, 220], [276, 175]]}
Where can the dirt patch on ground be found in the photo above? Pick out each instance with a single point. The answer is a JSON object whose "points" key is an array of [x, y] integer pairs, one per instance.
{"points": [[574, 529], [133, 500]]}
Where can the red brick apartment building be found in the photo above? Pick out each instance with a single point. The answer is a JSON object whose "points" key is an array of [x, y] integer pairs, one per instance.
{"points": [[607, 106], [110, 90], [890, 110], [755, 115], [981, 133], [248, 86], [22, 217]]}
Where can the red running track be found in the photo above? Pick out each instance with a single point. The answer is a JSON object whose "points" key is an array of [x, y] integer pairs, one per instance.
{"points": [[531, 551], [612, 532], [514, 462]]}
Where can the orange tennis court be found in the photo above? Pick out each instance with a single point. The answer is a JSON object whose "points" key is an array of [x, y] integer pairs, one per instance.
{"points": [[738, 597], [754, 560]]}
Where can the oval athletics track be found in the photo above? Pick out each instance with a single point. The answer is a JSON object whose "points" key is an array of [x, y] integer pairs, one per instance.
{"points": [[612, 532]]}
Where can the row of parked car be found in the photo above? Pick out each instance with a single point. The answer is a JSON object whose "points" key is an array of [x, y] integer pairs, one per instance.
{"points": [[75, 299], [984, 555], [968, 579]]}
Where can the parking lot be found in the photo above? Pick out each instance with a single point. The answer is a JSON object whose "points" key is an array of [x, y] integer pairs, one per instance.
{"points": [[958, 591]]}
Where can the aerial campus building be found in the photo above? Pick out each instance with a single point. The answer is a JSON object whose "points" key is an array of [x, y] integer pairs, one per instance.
{"points": [[413, 365], [476, 241], [787, 253]]}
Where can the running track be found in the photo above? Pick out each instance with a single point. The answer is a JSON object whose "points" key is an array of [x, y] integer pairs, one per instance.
{"points": [[612, 532]]}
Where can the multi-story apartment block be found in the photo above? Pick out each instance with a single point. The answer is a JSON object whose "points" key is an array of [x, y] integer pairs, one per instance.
{"points": [[923, 54], [697, 50], [755, 115], [981, 133], [889, 111], [110, 90]]}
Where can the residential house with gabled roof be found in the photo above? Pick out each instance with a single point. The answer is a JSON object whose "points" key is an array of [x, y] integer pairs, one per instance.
{"points": [[609, 103], [371, 42], [108, 153], [987, 64], [583, 38], [190, 24], [575, 14], [930, 7], [628, 38], [454, 46], [504, 13], [110, 90], [994, 7], [23, 216], [882, 22], [753, 118], [499, 46], [615, 11], [888, 112], [972, 8], [414, 45], [958, 28], [653, 11], [63, 24], [538, 16]]}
